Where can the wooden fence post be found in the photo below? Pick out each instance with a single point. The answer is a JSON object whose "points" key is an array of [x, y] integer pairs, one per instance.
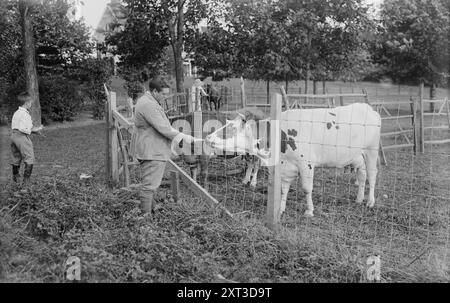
{"points": [[243, 97], [175, 185], [414, 122], [108, 117], [274, 187], [421, 132], [113, 140]]}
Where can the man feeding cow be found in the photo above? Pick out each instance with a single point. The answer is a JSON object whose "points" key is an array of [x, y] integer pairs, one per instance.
{"points": [[310, 138]]}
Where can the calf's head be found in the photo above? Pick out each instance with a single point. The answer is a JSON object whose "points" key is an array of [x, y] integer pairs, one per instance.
{"points": [[240, 135]]}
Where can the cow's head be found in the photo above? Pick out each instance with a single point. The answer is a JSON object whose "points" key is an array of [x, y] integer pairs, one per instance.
{"points": [[240, 135]]}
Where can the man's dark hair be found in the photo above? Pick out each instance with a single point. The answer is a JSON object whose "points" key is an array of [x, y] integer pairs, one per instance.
{"points": [[24, 97], [156, 83]]}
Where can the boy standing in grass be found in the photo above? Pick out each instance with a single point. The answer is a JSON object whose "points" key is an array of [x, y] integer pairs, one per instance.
{"points": [[21, 145]]}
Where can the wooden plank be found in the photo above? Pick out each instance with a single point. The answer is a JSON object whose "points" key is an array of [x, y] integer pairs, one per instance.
{"points": [[123, 122], [126, 170], [324, 96], [195, 187], [413, 123], [175, 184], [341, 98], [448, 112], [398, 146], [243, 97], [113, 141], [376, 103], [285, 98], [433, 101], [274, 187], [108, 143], [383, 155], [437, 141], [438, 127], [400, 132], [366, 96], [397, 117], [421, 135], [434, 114]]}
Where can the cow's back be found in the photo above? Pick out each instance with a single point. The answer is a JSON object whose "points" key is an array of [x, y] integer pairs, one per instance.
{"points": [[331, 136]]}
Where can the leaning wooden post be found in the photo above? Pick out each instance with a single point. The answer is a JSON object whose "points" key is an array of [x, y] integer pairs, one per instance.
{"points": [[113, 146], [285, 98], [274, 187], [421, 133]]}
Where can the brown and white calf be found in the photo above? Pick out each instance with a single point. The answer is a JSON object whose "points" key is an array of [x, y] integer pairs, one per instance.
{"points": [[310, 138]]}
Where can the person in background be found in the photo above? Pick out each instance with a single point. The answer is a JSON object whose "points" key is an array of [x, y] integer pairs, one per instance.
{"points": [[197, 92], [21, 145], [151, 142]]}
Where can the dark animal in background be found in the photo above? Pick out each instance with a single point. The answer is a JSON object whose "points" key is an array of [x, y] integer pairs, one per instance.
{"points": [[213, 100]]}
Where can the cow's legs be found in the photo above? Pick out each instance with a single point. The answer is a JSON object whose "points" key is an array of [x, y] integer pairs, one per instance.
{"points": [[285, 185], [289, 172], [371, 157], [307, 174], [361, 175], [256, 164]]}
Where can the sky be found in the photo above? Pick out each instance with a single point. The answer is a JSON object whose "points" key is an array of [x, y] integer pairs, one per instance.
{"points": [[93, 10]]}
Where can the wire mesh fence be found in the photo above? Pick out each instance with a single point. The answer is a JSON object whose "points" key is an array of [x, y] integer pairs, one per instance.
{"points": [[409, 225]]}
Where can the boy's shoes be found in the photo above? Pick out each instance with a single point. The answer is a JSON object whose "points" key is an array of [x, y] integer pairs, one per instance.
{"points": [[16, 173]]}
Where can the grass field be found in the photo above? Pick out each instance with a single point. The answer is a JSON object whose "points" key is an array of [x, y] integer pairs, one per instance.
{"points": [[61, 216]]}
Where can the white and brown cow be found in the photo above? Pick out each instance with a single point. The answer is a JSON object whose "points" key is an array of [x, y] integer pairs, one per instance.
{"points": [[323, 137]]}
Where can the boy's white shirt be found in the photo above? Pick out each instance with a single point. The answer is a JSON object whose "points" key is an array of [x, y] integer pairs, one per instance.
{"points": [[22, 121]]}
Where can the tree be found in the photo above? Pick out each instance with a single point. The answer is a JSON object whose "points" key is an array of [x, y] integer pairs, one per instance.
{"points": [[151, 26], [61, 44], [28, 50], [276, 40], [415, 41]]}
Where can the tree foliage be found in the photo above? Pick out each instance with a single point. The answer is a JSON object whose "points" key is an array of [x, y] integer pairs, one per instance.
{"points": [[415, 40], [273, 40], [150, 27]]}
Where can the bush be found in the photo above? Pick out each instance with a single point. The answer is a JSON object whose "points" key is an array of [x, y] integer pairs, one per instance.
{"points": [[93, 73], [59, 97]]}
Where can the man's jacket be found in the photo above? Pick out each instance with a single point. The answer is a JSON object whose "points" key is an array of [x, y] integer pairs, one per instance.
{"points": [[153, 133]]}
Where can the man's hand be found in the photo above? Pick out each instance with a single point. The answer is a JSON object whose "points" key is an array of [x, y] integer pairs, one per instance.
{"points": [[189, 139]]}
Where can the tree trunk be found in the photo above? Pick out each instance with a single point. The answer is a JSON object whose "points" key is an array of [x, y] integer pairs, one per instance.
{"points": [[324, 87], [28, 50], [315, 87], [176, 32], [268, 91], [432, 96], [178, 67]]}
